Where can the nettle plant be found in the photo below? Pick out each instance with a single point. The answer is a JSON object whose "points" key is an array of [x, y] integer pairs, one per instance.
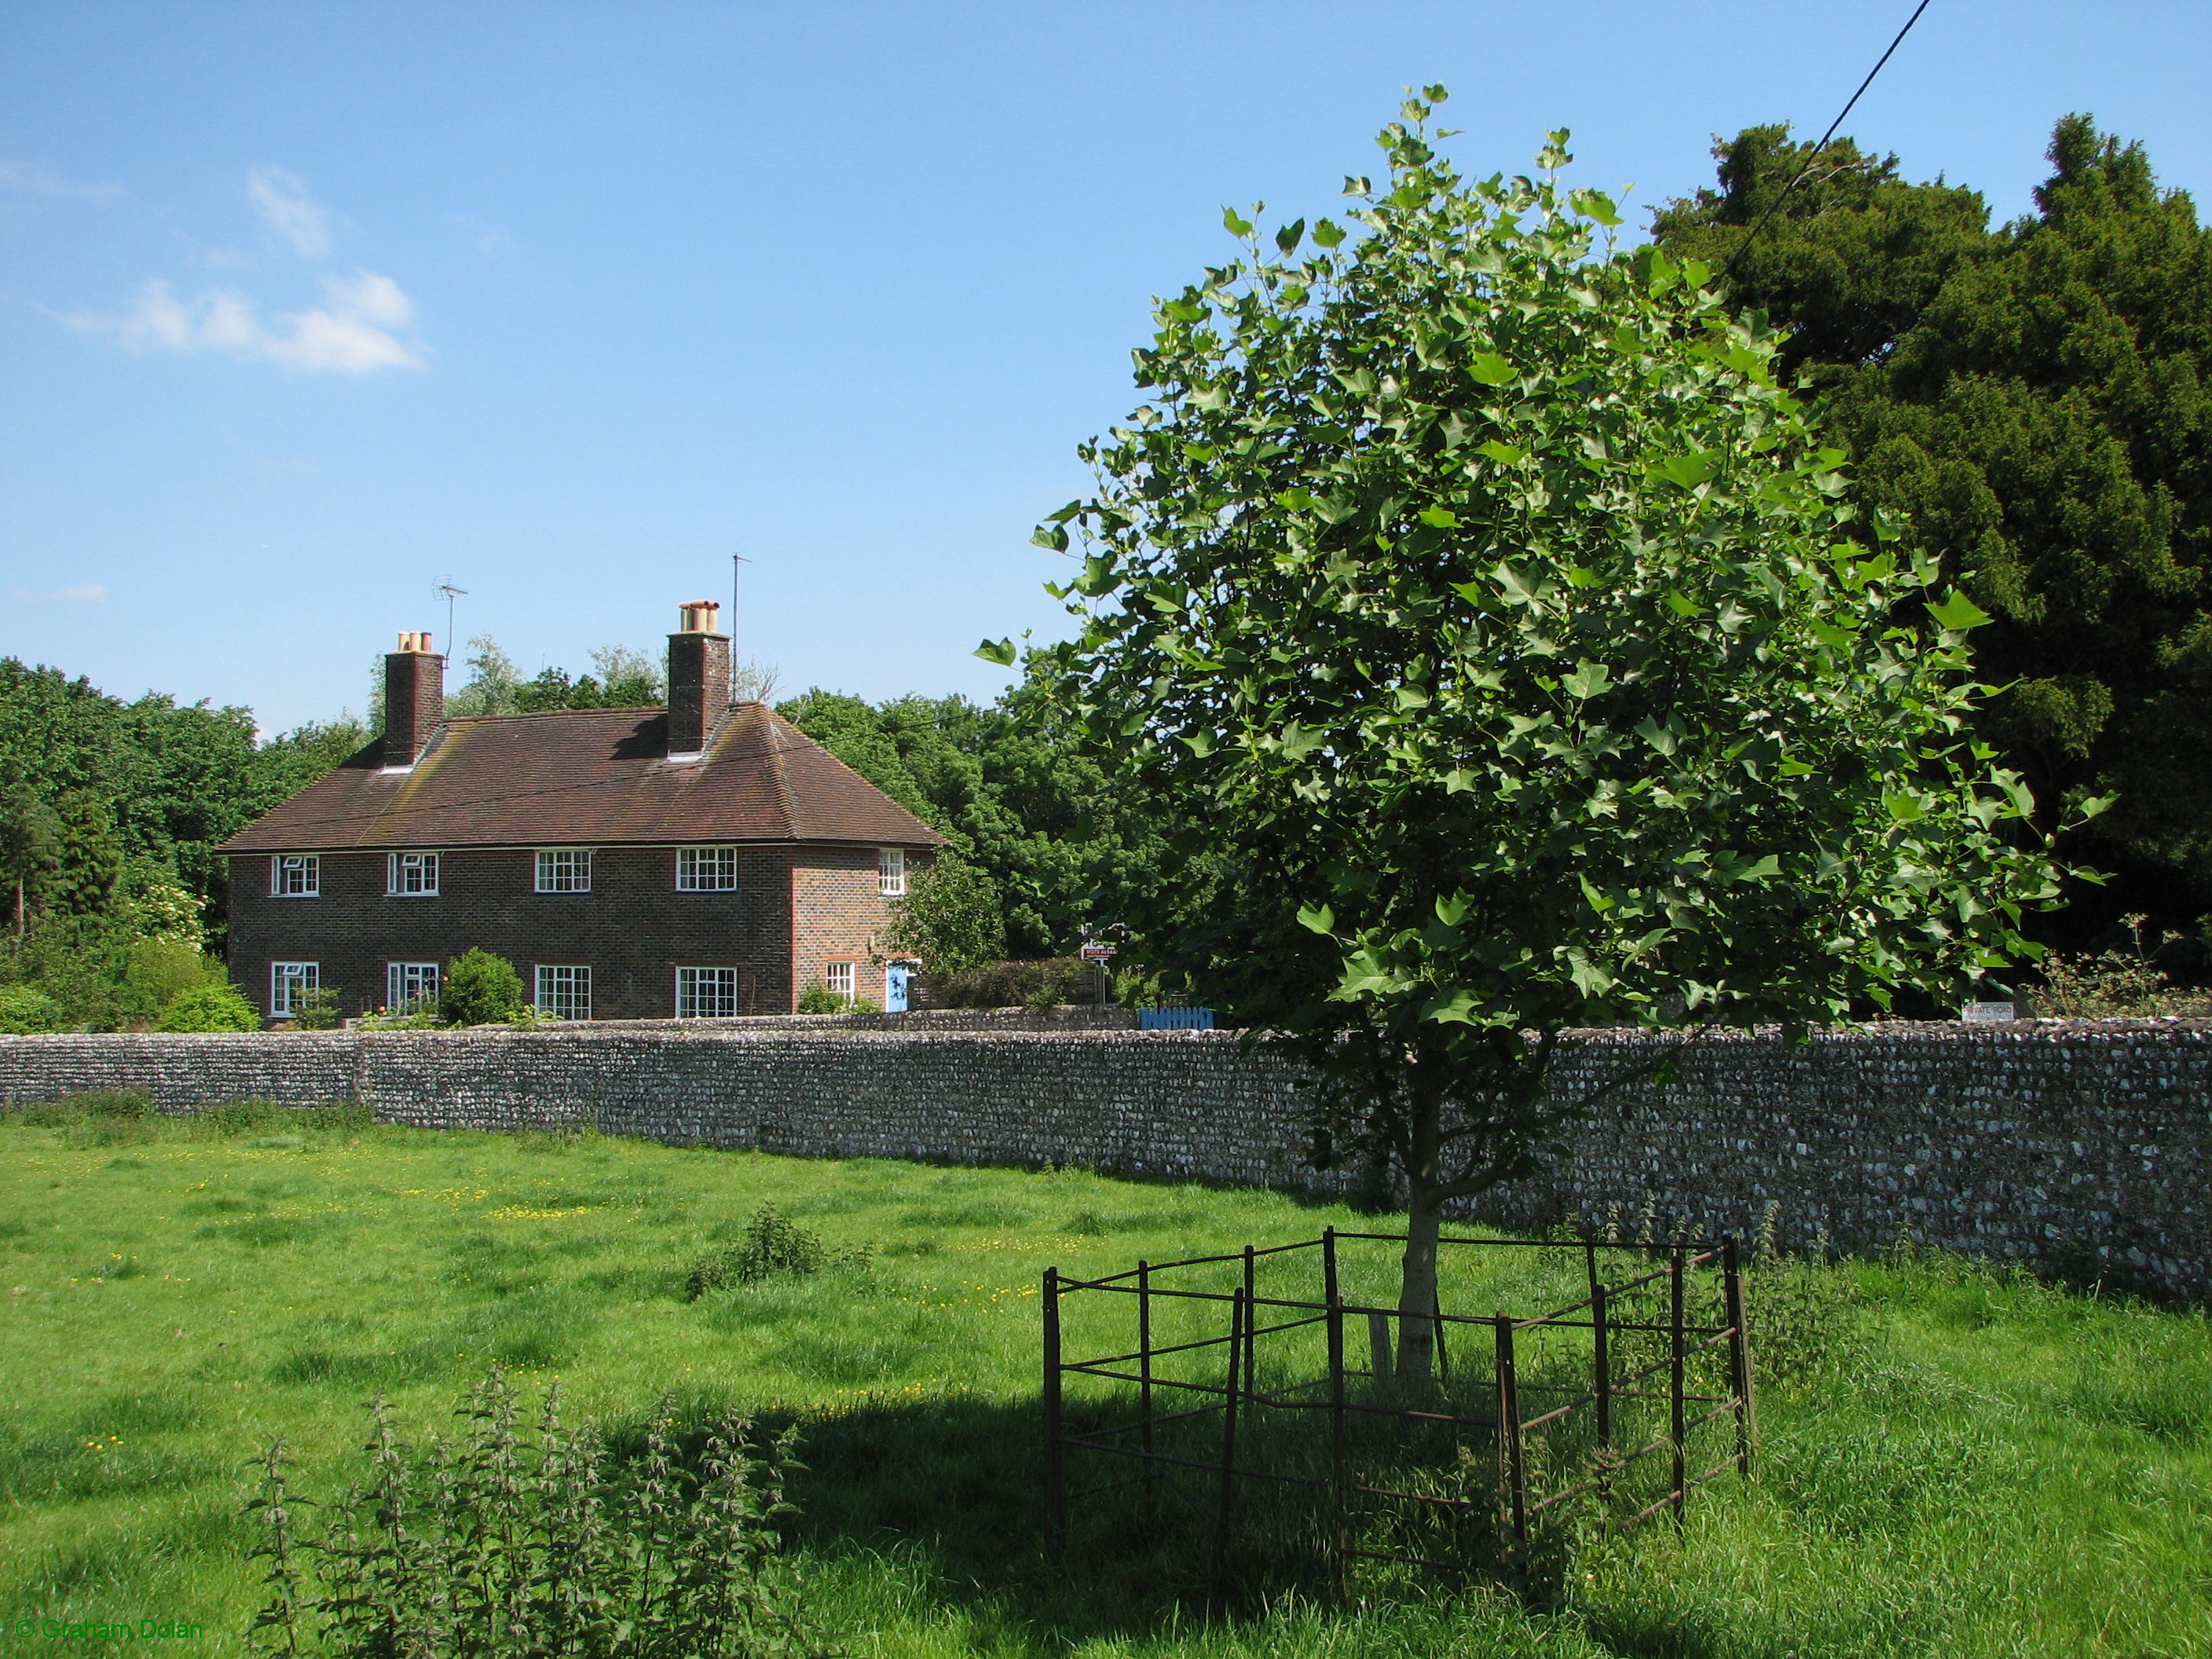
{"points": [[1499, 620]]}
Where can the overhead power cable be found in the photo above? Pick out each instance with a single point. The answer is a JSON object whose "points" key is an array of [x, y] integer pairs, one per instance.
{"points": [[1744, 247]]}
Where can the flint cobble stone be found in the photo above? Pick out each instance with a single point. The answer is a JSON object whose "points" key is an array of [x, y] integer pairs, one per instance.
{"points": [[2077, 1148]]}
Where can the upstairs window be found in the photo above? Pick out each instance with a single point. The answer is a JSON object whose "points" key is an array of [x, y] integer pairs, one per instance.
{"points": [[890, 872], [706, 993], [288, 983], [411, 987], [705, 869], [295, 875], [565, 870], [411, 875]]}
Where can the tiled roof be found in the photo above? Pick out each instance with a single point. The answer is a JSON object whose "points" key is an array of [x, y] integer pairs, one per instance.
{"points": [[592, 777]]}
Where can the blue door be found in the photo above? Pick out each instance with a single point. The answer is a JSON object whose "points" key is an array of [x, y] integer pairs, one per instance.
{"points": [[895, 988]]}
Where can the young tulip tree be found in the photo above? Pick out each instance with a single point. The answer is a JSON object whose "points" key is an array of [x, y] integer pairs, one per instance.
{"points": [[1494, 617]]}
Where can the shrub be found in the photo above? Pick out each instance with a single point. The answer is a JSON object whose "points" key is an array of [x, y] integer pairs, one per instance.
{"points": [[210, 1008], [24, 1009], [316, 1010], [493, 1542], [2115, 984], [1044, 983], [479, 989], [820, 999], [773, 1244]]}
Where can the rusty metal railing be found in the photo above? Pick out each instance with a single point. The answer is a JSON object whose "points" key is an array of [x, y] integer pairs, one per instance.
{"points": [[1209, 1416]]}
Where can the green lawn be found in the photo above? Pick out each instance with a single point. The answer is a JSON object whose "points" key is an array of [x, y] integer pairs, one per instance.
{"points": [[1965, 1464]]}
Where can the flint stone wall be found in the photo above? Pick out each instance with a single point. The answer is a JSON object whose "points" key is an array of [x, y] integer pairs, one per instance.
{"points": [[2081, 1148]]}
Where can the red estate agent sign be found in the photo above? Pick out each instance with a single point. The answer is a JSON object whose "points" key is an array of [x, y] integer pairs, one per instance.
{"points": [[1099, 953]]}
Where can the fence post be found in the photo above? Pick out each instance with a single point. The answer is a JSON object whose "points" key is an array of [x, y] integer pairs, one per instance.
{"points": [[1336, 1405], [1601, 1366], [1240, 1313], [1677, 1432], [1145, 1376], [1739, 1358], [1509, 1446], [1250, 1320], [1055, 1490]]}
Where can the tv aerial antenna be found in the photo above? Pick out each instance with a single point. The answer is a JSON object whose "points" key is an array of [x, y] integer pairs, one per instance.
{"points": [[736, 561], [446, 591]]}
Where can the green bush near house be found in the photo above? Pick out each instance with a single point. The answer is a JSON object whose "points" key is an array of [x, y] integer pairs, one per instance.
{"points": [[316, 1010], [209, 1008], [479, 989]]}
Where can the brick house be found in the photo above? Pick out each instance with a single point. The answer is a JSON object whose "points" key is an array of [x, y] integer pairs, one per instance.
{"points": [[703, 859]]}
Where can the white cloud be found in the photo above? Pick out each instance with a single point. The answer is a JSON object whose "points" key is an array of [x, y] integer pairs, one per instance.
{"points": [[283, 199], [351, 334], [83, 593], [40, 179]]}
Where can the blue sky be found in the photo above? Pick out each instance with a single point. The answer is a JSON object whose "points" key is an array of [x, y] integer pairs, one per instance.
{"points": [[303, 308]]}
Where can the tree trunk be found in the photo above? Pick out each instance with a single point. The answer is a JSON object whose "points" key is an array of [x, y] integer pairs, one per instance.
{"points": [[1417, 1293]]}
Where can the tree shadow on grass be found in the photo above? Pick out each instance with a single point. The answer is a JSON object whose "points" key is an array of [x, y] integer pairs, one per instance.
{"points": [[954, 1486]]}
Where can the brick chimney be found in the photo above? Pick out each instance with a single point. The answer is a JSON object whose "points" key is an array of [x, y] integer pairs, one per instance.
{"points": [[698, 679], [414, 699]]}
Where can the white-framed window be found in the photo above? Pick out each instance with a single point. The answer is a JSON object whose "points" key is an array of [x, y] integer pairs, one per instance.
{"points": [[838, 976], [295, 875], [706, 993], [890, 872], [705, 869], [564, 869], [411, 875], [410, 985], [288, 983], [564, 991]]}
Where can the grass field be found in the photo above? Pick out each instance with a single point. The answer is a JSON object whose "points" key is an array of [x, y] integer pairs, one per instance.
{"points": [[1965, 1464]]}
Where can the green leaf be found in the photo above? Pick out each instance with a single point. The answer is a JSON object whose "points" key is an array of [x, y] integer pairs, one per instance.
{"points": [[1687, 471], [1504, 454], [1591, 980], [1358, 184], [1097, 577], [1595, 204], [1052, 536], [1288, 238], [1235, 222], [1957, 614], [1656, 735], [1000, 652], [1517, 591], [1439, 517], [1200, 743], [1588, 679], [1328, 234], [1458, 782], [1318, 917], [1597, 900], [1491, 369], [1299, 741], [1451, 911]]}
